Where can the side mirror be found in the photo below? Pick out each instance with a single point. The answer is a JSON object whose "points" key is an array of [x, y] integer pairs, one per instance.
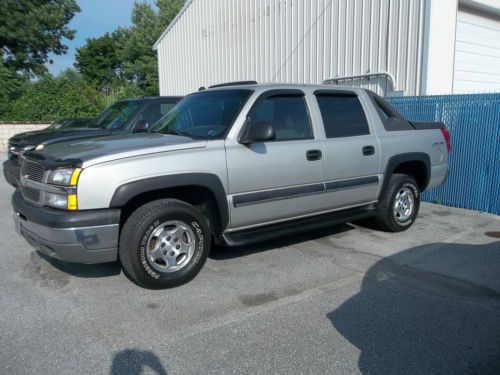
{"points": [[258, 132], [141, 127]]}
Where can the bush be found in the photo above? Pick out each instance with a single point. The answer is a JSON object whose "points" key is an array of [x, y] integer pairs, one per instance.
{"points": [[53, 98], [66, 96]]}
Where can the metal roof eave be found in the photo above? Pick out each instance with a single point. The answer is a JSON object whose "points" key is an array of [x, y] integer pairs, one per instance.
{"points": [[187, 3]]}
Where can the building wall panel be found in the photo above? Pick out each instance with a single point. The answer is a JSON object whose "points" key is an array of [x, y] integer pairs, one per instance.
{"points": [[292, 41]]}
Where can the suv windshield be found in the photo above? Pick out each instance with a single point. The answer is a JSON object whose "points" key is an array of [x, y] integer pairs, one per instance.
{"points": [[115, 116], [204, 115]]}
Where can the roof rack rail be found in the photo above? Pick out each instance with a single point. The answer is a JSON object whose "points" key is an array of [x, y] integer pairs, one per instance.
{"points": [[236, 83]]}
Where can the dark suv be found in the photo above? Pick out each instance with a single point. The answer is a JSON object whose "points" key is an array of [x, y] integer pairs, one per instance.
{"points": [[125, 116]]}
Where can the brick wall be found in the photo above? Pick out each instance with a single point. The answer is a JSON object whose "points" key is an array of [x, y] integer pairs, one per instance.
{"points": [[8, 129]]}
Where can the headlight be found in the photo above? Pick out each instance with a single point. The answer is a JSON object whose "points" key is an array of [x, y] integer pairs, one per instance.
{"points": [[56, 200], [61, 201], [64, 176], [19, 150]]}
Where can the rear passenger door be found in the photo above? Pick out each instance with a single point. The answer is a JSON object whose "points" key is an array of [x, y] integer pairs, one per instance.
{"points": [[279, 179], [351, 148]]}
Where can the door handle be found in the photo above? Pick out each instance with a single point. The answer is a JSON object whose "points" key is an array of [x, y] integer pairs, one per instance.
{"points": [[314, 155], [368, 150]]}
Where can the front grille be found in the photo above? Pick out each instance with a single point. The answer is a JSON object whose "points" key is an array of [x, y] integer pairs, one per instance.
{"points": [[32, 170], [30, 193]]}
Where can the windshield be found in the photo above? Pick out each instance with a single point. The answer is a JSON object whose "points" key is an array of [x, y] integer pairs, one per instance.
{"points": [[204, 115], [56, 125], [116, 116]]}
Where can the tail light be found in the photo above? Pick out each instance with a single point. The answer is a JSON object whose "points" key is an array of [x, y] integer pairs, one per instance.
{"points": [[446, 136]]}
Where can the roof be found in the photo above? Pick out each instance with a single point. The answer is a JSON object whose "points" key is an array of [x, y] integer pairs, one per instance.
{"points": [[186, 5]]}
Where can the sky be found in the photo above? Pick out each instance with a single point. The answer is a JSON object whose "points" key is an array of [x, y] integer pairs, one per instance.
{"points": [[96, 18]]}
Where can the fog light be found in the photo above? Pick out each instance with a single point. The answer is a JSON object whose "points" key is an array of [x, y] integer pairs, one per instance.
{"points": [[56, 200]]}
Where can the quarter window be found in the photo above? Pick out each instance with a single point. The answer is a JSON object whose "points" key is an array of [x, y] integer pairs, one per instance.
{"points": [[342, 115], [287, 114]]}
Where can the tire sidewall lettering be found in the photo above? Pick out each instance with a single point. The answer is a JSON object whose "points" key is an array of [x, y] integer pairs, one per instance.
{"points": [[199, 242], [142, 252], [413, 188]]}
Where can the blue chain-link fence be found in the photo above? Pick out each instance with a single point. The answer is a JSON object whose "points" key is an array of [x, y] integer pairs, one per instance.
{"points": [[474, 124]]}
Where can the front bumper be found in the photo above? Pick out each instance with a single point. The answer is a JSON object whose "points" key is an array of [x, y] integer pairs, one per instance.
{"points": [[79, 237], [11, 172]]}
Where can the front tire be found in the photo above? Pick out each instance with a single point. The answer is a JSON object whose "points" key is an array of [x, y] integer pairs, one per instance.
{"points": [[399, 205], [164, 244]]}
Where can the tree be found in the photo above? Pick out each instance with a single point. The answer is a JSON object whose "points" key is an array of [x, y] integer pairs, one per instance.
{"points": [[99, 59], [140, 64], [11, 86], [52, 98], [126, 56], [31, 29]]}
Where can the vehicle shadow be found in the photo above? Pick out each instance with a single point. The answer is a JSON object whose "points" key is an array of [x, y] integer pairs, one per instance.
{"points": [[84, 270], [432, 309], [223, 252], [134, 362]]}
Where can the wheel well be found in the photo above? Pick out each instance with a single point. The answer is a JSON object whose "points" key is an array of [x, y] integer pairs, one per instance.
{"points": [[198, 196], [417, 170]]}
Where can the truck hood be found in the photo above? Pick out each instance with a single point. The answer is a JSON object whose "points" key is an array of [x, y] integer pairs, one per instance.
{"points": [[96, 150], [47, 136]]}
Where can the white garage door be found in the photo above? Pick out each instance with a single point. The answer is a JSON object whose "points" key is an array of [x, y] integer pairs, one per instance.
{"points": [[477, 53]]}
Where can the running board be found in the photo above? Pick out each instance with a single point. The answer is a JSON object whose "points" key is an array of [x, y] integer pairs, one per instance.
{"points": [[273, 231]]}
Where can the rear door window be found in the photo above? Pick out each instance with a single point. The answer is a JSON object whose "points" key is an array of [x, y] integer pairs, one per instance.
{"points": [[343, 115]]}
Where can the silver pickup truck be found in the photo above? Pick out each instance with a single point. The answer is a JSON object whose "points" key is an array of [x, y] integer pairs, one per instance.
{"points": [[234, 164]]}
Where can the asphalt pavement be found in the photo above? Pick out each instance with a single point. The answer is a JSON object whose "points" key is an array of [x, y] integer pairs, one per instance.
{"points": [[347, 300]]}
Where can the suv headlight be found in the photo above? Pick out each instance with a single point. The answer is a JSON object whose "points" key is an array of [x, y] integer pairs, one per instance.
{"points": [[67, 177], [64, 176]]}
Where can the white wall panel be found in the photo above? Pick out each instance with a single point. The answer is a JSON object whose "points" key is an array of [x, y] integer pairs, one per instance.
{"points": [[291, 41], [477, 53]]}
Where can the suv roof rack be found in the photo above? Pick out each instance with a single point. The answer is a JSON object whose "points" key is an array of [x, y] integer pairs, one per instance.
{"points": [[236, 83]]}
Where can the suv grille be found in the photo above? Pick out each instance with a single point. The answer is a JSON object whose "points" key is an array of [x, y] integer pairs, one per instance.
{"points": [[35, 172], [30, 194], [32, 170]]}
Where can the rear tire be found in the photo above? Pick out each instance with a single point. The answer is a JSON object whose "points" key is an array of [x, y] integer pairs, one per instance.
{"points": [[164, 244], [399, 206]]}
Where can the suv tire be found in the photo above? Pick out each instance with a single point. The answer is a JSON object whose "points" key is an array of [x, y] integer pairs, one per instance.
{"points": [[164, 244], [399, 205]]}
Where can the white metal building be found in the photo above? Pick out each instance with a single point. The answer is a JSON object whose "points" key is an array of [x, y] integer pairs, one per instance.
{"points": [[396, 47]]}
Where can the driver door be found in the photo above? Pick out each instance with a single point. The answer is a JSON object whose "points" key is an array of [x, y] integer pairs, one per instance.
{"points": [[279, 179]]}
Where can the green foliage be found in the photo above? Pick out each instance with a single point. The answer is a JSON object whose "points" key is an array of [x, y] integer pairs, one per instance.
{"points": [[11, 86], [99, 60], [126, 56], [115, 66], [53, 98], [31, 29], [140, 64]]}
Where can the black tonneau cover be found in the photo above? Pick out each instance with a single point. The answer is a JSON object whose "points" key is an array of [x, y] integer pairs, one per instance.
{"points": [[427, 125]]}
